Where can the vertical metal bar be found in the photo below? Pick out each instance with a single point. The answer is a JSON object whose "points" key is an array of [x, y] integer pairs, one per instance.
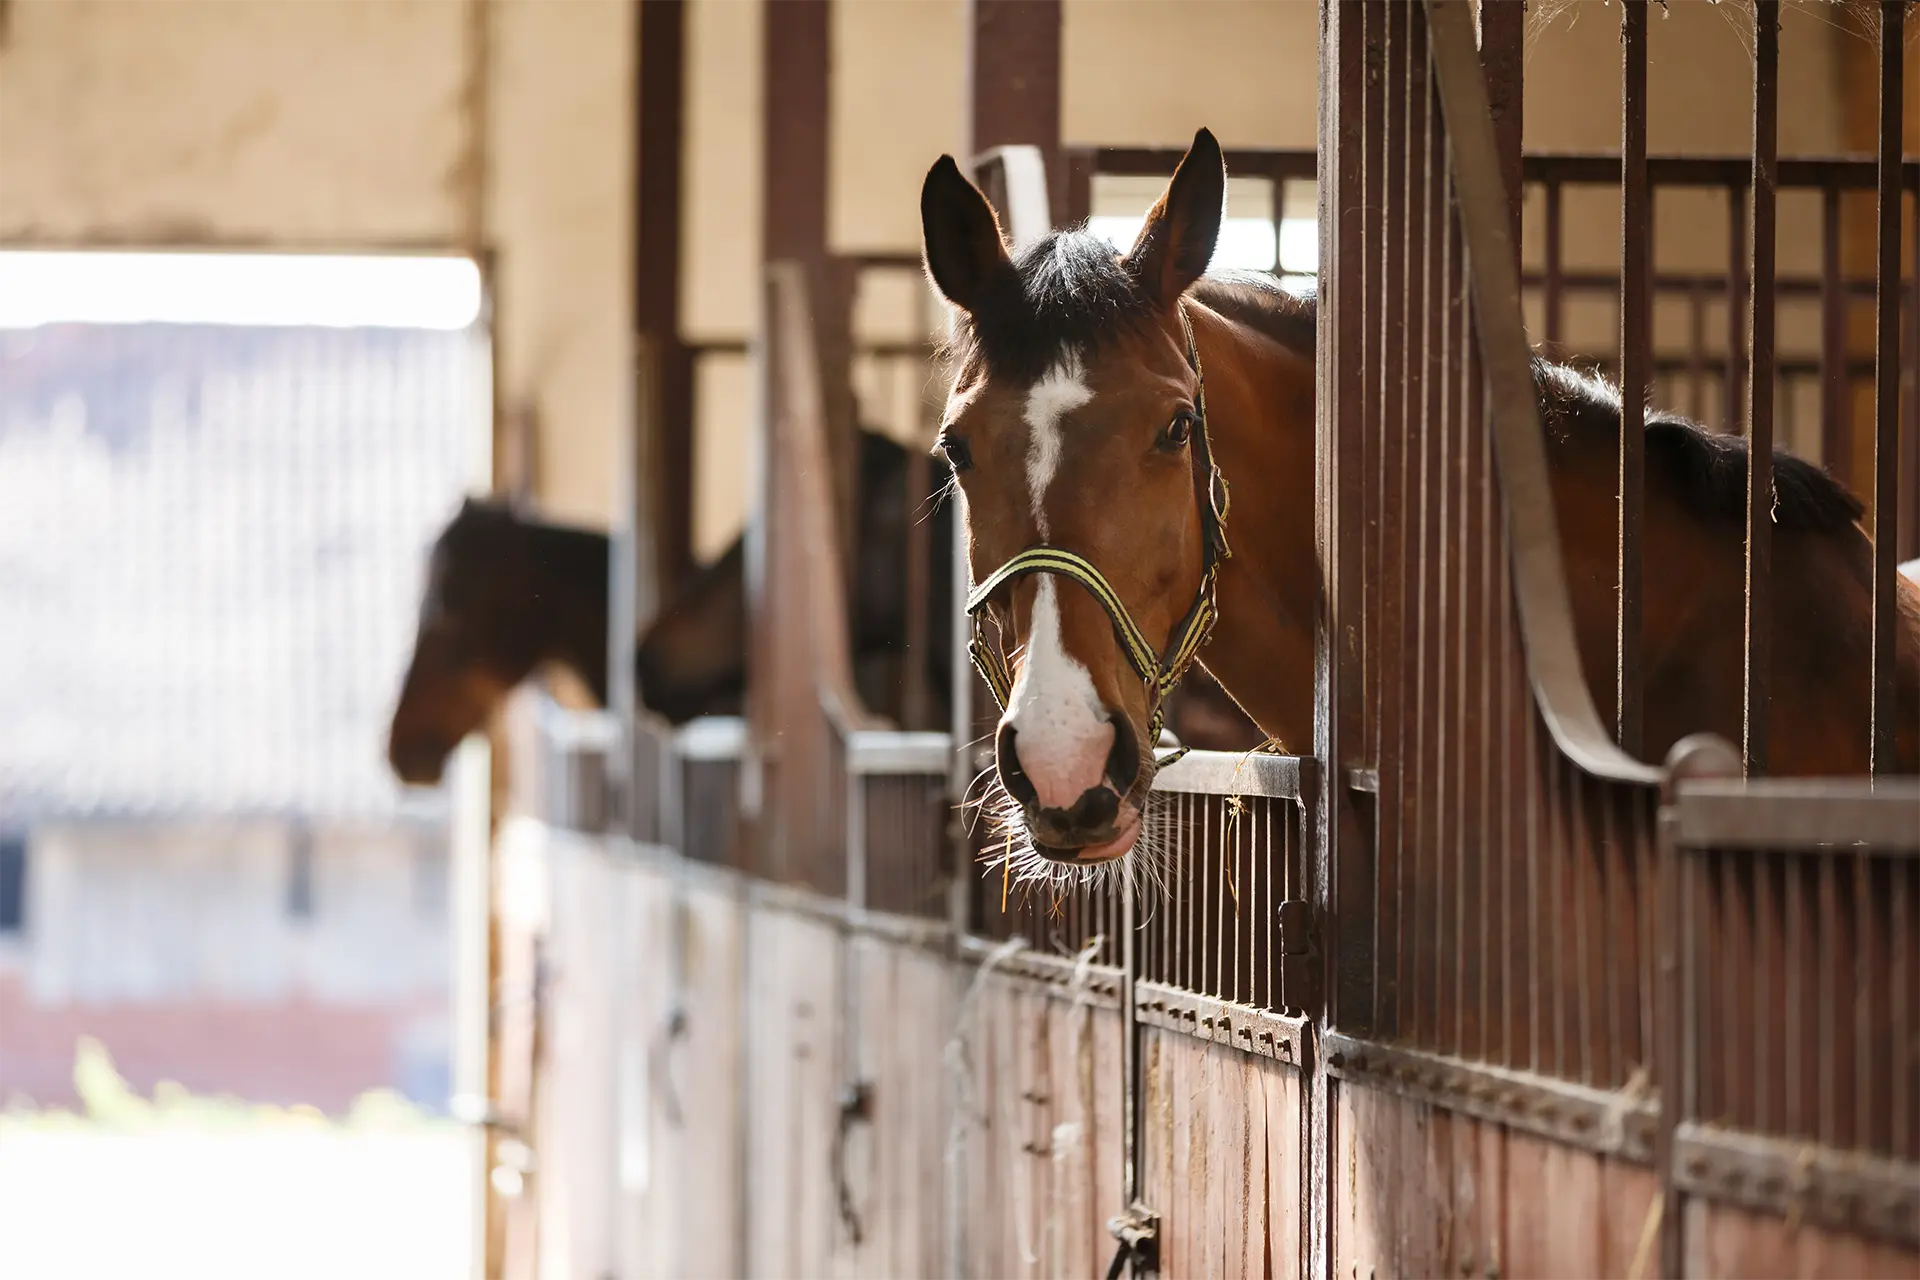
{"points": [[1551, 298], [1670, 1062], [1697, 351], [1836, 431], [1886, 387], [1737, 266], [1829, 998], [1636, 354], [1910, 444], [1759, 619], [1768, 980], [1906, 1145]]}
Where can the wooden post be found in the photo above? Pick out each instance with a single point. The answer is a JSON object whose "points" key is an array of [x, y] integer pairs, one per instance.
{"points": [[659, 139], [795, 170], [1013, 74]]}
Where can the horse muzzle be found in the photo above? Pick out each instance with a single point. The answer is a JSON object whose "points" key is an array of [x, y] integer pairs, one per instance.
{"points": [[1098, 825]]}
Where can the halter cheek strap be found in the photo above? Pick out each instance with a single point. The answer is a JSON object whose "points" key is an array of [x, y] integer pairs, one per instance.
{"points": [[1160, 671]]}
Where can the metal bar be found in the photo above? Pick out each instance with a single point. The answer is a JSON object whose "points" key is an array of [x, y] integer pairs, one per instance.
{"points": [[1759, 564], [1730, 409], [1552, 660], [1849, 1192], [1801, 814], [1886, 393], [1552, 301], [1836, 434], [1636, 343], [1503, 48], [1910, 443], [1580, 169], [1901, 975]]}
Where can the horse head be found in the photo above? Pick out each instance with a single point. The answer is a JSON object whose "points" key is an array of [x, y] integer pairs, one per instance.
{"points": [[498, 602], [1076, 427]]}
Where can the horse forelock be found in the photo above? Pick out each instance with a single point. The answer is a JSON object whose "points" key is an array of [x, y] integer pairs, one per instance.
{"points": [[1063, 299]]}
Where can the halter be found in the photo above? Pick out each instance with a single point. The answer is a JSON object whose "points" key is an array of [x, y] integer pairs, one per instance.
{"points": [[1161, 672]]}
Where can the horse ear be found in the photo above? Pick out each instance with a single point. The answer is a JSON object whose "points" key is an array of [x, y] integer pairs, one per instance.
{"points": [[1176, 243], [960, 236]]}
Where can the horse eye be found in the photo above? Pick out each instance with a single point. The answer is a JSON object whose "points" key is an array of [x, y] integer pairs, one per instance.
{"points": [[1178, 432], [959, 456]]}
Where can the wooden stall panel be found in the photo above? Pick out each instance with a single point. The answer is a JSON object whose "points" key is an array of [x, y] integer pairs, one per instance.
{"points": [[793, 1069], [677, 1083], [1723, 1240], [1036, 1088], [1419, 1190], [704, 1150], [896, 1160], [648, 1197], [1221, 1157], [578, 1147]]}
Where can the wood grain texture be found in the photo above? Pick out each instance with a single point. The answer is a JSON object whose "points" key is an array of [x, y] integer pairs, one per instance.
{"points": [[1221, 1157]]}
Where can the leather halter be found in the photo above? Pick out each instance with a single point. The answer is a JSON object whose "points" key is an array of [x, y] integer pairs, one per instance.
{"points": [[1160, 671]]}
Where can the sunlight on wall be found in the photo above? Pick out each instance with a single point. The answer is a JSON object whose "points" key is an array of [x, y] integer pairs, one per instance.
{"points": [[1245, 244], [39, 288]]}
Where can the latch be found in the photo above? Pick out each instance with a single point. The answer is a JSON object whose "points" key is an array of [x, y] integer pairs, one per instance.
{"points": [[1138, 1231], [1299, 956]]}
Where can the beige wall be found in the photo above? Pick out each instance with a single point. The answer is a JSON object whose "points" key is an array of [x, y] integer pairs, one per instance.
{"points": [[196, 121], [345, 123]]}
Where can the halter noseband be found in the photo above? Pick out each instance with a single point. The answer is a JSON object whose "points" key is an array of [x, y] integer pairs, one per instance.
{"points": [[1161, 672]]}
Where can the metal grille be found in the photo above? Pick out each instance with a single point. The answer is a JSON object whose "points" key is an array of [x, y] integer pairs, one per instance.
{"points": [[1231, 921]]}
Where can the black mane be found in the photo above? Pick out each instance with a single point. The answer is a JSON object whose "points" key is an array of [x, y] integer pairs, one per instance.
{"points": [[1070, 294], [1709, 469], [1065, 294]]}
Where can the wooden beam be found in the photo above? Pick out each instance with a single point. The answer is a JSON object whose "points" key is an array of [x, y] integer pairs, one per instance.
{"points": [[659, 138], [796, 168], [1013, 77]]}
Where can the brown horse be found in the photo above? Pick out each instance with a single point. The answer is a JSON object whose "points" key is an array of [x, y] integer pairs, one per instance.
{"points": [[505, 594], [1078, 430]]}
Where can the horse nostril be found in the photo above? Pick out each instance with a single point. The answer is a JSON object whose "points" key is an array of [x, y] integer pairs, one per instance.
{"points": [[1012, 776], [1123, 758]]}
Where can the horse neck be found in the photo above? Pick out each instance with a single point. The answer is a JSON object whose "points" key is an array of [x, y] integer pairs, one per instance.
{"points": [[569, 597], [1260, 427]]}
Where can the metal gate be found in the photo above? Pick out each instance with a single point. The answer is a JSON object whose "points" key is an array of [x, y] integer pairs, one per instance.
{"points": [[1471, 989]]}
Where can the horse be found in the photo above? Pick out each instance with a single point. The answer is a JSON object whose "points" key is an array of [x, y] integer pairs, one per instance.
{"points": [[505, 594], [1093, 466]]}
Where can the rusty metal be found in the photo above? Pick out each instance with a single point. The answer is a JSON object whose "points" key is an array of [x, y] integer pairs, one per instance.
{"points": [[1845, 1192], [1886, 395], [1836, 429], [1636, 349], [1760, 335], [1609, 1123]]}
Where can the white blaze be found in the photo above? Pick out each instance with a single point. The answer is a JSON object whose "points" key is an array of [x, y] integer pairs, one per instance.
{"points": [[1057, 394], [1062, 734]]}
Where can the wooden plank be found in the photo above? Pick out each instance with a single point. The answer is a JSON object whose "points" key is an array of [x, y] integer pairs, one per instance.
{"points": [[1626, 1205], [1724, 1240], [1285, 1155], [1528, 1247], [708, 1159], [1572, 1187]]}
